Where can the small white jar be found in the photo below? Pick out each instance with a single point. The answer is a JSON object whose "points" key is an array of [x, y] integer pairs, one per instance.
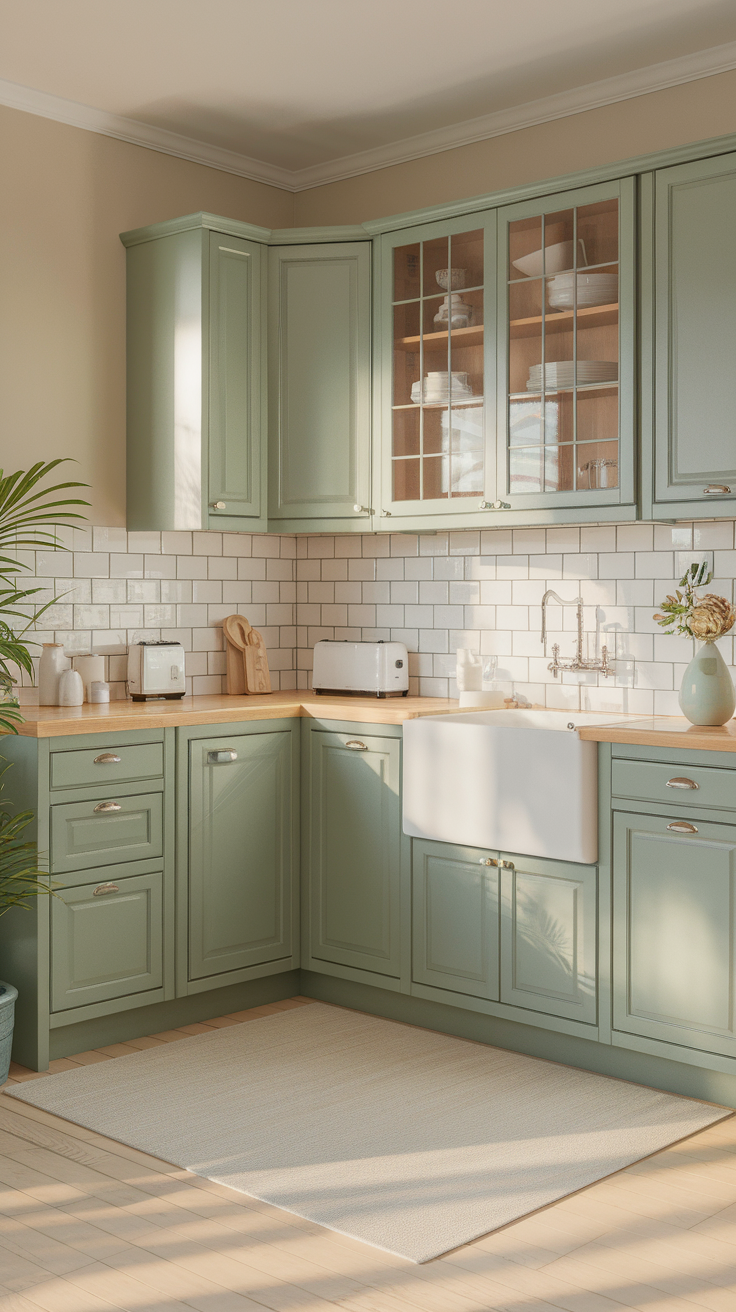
{"points": [[71, 689]]}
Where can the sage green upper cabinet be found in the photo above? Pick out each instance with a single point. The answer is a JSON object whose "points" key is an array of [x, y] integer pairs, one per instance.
{"points": [[566, 404], [691, 343], [434, 458], [196, 375], [320, 387], [242, 867], [674, 930], [352, 854]]}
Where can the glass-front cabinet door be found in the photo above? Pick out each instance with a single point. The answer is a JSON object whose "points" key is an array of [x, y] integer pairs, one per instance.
{"points": [[565, 417], [437, 455]]}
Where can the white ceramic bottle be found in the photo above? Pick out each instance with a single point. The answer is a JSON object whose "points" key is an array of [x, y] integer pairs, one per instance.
{"points": [[51, 666], [71, 688], [469, 670]]}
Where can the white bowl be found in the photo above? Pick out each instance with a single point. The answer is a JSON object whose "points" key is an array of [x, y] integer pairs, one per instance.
{"points": [[558, 257]]}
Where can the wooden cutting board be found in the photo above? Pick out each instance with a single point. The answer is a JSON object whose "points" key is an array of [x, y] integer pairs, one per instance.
{"points": [[247, 662]]}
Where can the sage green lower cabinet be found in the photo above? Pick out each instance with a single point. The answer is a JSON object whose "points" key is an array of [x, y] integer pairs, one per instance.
{"points": [[104, 942], [107, 941], [548, 937], [238, 857], [455, 918], [352, 853], [675, 930]]}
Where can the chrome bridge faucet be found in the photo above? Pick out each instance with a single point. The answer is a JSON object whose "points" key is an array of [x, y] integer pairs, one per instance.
{"points": [[579, 662]]}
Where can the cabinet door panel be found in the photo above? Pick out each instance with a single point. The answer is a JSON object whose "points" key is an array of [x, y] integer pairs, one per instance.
{"points": [[106, 944], [235, 435], [454, 919], [319, 366], [566, 334], [695, 327], [548, 937], [674, 932], [240, 852], [355, 851]]}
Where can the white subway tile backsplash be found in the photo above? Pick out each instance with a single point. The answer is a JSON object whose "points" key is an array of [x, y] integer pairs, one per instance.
{"points": [[434, 592]]}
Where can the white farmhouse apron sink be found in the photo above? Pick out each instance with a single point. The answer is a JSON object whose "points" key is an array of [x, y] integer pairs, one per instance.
{"points": [[516, 780]]}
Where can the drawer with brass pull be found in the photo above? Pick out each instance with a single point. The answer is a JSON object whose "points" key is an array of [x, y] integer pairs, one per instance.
{"points": [[106, 765], [105, 832], [696, 787]]}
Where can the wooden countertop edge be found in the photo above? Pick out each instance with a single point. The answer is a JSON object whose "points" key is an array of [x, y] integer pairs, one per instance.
{"points": [[121, 717], [645, 733]]}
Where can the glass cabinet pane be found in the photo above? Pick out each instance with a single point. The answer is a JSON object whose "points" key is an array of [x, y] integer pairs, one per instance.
{"points": [[437, 399], [563, 310]]}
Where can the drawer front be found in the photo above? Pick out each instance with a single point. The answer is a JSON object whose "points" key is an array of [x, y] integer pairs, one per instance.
{"points": [[106, 942], [105, 765], [696, 787], [106, 831]]}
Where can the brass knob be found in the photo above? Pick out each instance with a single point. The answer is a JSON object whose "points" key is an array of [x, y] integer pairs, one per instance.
{"points": [[219, 505]]}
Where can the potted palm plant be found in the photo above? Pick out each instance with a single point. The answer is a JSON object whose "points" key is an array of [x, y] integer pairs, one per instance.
{"points": [[28, 516]]}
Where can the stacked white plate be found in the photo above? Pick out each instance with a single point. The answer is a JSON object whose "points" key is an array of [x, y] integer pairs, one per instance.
{"points": [[436, 388], [561, 373], [592, 289]]}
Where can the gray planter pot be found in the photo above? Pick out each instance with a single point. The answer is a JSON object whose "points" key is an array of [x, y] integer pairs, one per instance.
{"points": [[8, 994]]}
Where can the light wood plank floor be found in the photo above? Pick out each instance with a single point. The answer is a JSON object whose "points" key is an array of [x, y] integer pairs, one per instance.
{"points": [[88, 1225]]}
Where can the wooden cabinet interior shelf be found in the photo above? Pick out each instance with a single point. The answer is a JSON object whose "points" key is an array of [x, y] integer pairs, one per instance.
{"points": [[460, 337], [561, 321], [557, 391]]}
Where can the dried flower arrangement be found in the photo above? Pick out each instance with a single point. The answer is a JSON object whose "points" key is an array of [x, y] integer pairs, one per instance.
{"points": [[706, 618]]}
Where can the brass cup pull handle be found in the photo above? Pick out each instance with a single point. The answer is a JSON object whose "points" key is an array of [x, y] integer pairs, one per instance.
{"points": [[356, 745], [681, 782], [221, 758], [682, 827], [107, 758], [102, 889], [717, 489], [107, 807]]}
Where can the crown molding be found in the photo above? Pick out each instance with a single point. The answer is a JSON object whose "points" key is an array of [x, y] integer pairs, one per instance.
{"points": [[75, 115], [594, 95]]}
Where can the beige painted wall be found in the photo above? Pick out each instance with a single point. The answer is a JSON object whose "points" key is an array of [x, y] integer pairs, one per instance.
{"points": [[692, 112], [66, 196]]}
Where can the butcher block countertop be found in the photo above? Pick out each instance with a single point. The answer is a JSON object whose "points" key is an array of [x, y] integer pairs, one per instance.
{"points": [[115, 717], [664, 731]]}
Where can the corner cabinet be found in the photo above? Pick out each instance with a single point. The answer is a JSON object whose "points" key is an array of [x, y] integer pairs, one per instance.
{"points": [[319, 366], [196, 392], [689, 328]]}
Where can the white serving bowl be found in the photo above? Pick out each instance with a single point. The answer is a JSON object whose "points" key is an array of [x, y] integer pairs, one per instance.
{"points": [[558, 256]]}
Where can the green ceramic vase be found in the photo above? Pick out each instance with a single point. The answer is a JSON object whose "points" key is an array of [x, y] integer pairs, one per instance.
{"points": [[707, 694]]}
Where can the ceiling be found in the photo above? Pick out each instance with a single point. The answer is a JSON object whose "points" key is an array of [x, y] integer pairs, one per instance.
{"points": [[300, 84]]}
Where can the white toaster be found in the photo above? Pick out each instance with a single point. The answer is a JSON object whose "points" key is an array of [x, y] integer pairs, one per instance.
{"points": [[156, 669], [378, 669]]}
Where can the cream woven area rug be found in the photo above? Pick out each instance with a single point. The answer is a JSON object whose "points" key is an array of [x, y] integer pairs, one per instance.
{"points": [[407, 1139]]}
